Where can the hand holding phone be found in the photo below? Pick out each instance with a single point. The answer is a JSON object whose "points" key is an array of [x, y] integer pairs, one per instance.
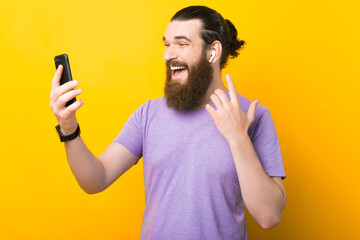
{"points": [[66, 75], [62, 95]]}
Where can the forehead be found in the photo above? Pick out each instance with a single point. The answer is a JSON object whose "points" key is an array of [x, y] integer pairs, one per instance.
{"points": [[189, 29]]}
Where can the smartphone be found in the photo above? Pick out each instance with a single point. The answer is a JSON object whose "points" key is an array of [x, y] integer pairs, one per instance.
{"points": [[63, 59]]}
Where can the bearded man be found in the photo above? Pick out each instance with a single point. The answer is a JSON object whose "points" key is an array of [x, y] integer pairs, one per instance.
{"points": [[204, 158]]}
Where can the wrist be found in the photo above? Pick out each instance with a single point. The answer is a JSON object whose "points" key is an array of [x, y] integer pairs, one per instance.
{"points": [[66, 132], [68, 137], [239, 140], [68, 128]]}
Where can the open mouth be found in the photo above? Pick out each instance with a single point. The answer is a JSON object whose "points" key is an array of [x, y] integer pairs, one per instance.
{"points": [[177, 71]]}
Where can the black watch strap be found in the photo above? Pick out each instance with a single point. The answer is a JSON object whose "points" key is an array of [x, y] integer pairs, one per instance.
{"points": [[64, 138]]}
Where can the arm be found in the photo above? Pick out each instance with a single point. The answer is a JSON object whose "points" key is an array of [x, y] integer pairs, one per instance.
{"points": [[264, 196], [94, 174]]}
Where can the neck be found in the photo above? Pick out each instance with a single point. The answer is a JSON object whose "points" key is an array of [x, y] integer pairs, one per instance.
{"points": [[217, 83]]}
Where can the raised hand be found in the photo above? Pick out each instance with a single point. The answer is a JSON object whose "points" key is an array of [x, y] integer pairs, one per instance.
{"points": [[59, 96], [229, 118]]}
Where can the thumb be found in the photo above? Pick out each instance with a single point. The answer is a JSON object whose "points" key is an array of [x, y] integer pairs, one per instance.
{"points": [[251, 111]]}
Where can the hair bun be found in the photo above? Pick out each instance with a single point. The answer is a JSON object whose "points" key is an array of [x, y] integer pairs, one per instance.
{"points": [[235, 45]]}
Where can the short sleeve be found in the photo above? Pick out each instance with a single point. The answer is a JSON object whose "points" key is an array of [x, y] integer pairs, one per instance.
{"points": [[131, 135], [266, 144]]}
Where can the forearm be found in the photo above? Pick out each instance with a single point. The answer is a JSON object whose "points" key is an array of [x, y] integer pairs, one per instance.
{"points": [[87, 169], [263, 197]]}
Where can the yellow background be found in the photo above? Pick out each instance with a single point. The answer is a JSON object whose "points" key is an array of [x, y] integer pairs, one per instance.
{"points": [[301, 61]]}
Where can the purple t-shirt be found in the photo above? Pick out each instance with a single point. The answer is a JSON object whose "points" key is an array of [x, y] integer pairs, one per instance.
{"points": [[191, 186]]}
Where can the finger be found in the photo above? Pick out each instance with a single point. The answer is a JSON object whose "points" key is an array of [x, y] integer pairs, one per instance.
{"points": [[56, 93], [216, 101], [232, 89], [75, 106], [223, 98], [251, 111], [63, 99], [210, 110], [57, 77]]}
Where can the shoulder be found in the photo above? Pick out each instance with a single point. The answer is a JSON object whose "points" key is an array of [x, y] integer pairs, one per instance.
{"points": [[151, 106], [157, 102], [262, 119], [154, 104], [263, 123], [245, 103]]}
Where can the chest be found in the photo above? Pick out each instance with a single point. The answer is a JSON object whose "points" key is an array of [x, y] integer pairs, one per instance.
{"points": [[190, 146]]}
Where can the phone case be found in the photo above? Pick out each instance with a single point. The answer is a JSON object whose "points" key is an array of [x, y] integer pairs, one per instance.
{"points": [[63, 59]]}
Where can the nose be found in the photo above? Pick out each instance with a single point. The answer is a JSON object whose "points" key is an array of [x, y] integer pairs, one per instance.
{"points": [[170, 53]]}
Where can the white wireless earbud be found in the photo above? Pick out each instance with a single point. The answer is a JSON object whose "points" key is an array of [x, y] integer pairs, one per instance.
{"points": [[212, 55]]}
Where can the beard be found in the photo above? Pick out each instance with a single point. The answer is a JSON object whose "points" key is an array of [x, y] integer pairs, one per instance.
{"points": [[188, 96]]}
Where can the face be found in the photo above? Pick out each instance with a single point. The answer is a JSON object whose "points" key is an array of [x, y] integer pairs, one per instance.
{"points": [[188, 72]]}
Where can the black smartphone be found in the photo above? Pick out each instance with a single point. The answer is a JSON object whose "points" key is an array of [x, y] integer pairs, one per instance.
{"points": [[63, 59]]}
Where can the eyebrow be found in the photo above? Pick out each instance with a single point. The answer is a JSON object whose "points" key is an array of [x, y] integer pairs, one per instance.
{"points": [[179, 37]]}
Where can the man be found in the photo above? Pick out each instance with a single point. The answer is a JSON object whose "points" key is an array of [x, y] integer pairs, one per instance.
{"points": [[204, 158]]}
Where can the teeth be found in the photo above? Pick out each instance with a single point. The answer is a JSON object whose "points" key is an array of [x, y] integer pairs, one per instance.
{"points": [[176, 68]]}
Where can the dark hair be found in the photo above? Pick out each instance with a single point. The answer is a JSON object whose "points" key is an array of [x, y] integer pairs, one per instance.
{"points": [[214, 27]]}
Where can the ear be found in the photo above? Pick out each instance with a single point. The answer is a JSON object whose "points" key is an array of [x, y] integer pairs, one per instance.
{"points": [[217, 47]]}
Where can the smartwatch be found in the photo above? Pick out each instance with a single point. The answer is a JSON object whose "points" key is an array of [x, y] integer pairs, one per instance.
{"points": [[64, 138]]}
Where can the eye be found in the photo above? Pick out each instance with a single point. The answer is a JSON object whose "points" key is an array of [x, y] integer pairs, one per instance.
{"points": [[166, 45], [182, 44]]}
